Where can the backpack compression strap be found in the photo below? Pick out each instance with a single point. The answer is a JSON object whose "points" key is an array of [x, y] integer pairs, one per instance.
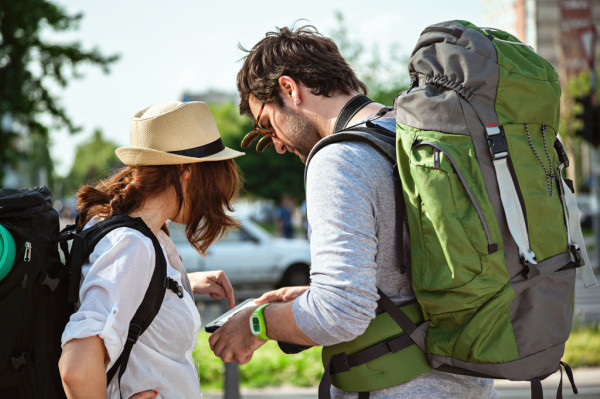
{"points": [[85, 242], [578, 251], [513, 211]]}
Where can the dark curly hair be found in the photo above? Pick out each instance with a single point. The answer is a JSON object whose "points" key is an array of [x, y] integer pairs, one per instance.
{"points": [[303, 54]]}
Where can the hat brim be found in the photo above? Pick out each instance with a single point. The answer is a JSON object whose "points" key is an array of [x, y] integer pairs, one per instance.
{"points": [[135, 156]]}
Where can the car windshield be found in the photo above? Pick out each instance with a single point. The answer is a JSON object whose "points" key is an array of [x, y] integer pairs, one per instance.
{"points": [[242, 233]]}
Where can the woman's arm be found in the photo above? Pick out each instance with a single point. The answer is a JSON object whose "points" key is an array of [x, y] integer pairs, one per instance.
{"points": [[82, 368]]}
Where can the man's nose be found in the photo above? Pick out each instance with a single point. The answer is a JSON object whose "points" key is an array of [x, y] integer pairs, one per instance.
{"points": [[279, 146]]}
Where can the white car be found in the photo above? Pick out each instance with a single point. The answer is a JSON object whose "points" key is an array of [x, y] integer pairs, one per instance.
{"points": [[250, 256]]}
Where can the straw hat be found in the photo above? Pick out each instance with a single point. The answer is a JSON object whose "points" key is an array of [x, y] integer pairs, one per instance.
{"points": [[174, 133]]}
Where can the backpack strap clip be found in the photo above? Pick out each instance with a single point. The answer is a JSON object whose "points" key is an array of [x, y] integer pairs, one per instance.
{"points": [[496, 141], [174, 286], [577, 256], [52, 283], [339, 363], [135, 330], [530, 269], [562, 154], [24, 359]]}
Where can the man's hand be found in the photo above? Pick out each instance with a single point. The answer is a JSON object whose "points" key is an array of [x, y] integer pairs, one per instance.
{"points": [[233, 341], [214, 283], [283, 294]]}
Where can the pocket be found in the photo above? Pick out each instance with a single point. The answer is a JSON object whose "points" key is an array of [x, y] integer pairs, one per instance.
{"points": [[535, 163], [457, 222]]}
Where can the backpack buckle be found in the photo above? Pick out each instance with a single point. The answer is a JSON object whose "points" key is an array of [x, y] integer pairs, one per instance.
{"points": [[50, 282], [339, 363], [24, 359], [496, 141], [135, 330], [530, 270], [576, 254]]}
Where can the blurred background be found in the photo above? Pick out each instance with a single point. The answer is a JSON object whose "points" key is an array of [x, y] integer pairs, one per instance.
{"points": [[72, 73]]}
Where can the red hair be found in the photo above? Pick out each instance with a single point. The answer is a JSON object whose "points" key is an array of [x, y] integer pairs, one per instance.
{"points": [[210, 191]]}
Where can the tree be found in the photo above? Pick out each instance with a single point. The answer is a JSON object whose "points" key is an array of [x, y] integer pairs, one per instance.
{"points": [[267, 174], [573, 88], [270, 175], [384, 79], [29, 66], [95, 159]]}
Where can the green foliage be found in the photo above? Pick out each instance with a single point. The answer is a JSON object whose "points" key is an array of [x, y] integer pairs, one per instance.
{"points": [[384, 79], [270, 175], [29, 66], [576, 87], [267, 174], [269, 367], [569, 124], [583, 347], [95, 159]]}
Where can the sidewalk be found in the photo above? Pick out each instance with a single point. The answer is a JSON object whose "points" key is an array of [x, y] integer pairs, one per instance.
{"points": [[587, 381]]}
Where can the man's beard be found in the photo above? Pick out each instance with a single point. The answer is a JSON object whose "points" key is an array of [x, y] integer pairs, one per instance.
{"points": [[301, 133]]}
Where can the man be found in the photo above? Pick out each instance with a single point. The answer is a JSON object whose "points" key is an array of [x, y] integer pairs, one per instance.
{"points": [[296, 84]]}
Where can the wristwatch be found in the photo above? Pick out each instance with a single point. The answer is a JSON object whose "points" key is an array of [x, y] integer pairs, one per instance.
{"points": [[257, 322]]}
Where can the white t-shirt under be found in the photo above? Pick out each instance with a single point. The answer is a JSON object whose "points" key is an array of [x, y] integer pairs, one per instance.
{"points": [[114, 283]]}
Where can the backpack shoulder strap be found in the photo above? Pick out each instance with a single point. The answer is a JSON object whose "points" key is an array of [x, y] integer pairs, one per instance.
{"points": [[349, 110], [384, 141], [378, 137], [84, 243]]}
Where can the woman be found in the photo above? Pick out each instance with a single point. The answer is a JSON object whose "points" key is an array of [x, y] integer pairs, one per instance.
{"points": [[178, 169]]}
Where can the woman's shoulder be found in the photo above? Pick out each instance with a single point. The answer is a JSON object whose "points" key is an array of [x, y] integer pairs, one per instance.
{"points": [[119, 233], [122, 241]]}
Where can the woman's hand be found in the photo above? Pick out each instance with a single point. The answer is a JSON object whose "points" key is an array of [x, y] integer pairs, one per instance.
{"points": [[214, 283], [283, 294]]}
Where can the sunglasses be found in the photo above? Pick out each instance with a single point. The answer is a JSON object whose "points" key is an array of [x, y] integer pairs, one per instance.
{"points": [[265, 142]]}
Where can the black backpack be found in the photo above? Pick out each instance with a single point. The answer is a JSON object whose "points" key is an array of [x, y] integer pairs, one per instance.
{"points": [[38, 293]]}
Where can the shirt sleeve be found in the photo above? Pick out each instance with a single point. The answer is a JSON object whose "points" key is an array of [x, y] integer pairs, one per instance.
{"points": [[341, 190], [115, 282]]}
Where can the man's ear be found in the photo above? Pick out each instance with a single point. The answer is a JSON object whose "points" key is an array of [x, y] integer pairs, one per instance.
{"points": [[288, 88]]}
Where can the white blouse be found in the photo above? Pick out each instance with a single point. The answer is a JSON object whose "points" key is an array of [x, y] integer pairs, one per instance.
{"points": [[114, 283]]}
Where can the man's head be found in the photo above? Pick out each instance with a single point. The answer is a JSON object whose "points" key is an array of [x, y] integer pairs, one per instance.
{"points": [[304, 55], [284, 63]]}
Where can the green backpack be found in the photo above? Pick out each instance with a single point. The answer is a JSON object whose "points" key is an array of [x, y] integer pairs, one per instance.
{"points": [[495, 239]]}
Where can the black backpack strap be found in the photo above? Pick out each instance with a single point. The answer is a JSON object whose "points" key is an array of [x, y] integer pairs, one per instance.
{"points": [[350, 109], [149, 307], [85, 242], [342, 362]]}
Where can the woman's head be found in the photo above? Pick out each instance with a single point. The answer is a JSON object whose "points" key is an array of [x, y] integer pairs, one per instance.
{"points": [[173, 155]]}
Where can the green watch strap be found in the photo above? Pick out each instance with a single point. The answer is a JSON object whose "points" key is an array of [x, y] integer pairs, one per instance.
{"points": [[257, 322]]}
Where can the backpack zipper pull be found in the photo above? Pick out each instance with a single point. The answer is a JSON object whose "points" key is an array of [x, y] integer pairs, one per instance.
{"points": [[436, 158], [27, 256]]}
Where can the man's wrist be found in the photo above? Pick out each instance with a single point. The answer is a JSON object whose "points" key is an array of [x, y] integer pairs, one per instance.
{"points": [[258, 325]]}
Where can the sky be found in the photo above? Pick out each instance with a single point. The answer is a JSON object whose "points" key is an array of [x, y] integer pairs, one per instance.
{"points": [[168, 48]]}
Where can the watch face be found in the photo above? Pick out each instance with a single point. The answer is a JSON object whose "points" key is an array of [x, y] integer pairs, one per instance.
{"points": [[255, 325]]}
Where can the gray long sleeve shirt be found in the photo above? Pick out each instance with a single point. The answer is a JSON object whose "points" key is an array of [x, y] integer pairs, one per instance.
{"points": [[351, 213]]}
